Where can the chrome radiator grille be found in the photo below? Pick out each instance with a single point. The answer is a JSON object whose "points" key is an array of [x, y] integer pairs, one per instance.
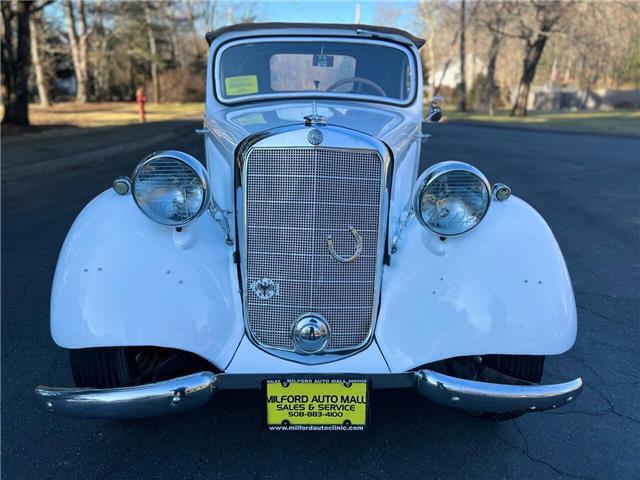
{"points": [[294, 199]]}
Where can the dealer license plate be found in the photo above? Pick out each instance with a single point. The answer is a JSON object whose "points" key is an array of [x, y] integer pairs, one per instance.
{"points": [[316, 404]]}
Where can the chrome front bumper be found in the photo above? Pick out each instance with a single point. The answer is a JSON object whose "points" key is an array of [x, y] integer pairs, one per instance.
{"points": [[192, 391]]}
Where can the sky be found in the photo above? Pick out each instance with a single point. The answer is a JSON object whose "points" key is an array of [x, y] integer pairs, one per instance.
{"points": [[336, 11], [313, 11]]}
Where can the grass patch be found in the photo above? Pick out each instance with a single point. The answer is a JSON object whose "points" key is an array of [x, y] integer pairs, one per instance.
{"points": [[109, 114], [621, 122]]}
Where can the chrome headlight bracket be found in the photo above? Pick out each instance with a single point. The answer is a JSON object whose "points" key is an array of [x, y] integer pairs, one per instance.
{"points": [[460, 191]]}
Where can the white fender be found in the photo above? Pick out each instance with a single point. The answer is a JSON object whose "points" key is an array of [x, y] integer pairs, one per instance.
{"points": [[124, 280], [501, 288]]}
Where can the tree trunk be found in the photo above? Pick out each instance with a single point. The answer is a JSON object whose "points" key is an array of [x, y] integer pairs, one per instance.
{"points": [[16, 74], [533, 52], [99, 77], [427, 15], [74, 43], [462, 104], [41, 83], [7, 56], [436, 90], [196, 41], [82, 49], [177, 53], [155, 81], [494, 49], [176, 50], [102, 86]]}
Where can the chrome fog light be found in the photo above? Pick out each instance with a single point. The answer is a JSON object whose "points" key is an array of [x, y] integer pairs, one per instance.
{"points": [[451, 198], [170, 188], [122, 185], [501, 192]]}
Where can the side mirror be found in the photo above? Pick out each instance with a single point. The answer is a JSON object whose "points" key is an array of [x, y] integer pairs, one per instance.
{"points": [[435, 112]]}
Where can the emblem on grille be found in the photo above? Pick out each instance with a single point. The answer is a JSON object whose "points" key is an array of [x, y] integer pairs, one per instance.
{"points": [[315, 137], [358, 240], [265, 288]]}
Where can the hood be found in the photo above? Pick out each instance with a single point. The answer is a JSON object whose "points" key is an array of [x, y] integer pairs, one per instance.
{"points": [[393, 125]]}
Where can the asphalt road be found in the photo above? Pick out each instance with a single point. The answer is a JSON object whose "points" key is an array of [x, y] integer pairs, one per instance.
{"points": [[587, 188]]}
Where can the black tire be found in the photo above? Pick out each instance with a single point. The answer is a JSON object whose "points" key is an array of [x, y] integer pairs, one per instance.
{"points": [[523, 367], [103, 367]]}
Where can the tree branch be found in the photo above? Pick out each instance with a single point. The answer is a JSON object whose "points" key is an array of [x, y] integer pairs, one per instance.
{"points": [[40, 7]]}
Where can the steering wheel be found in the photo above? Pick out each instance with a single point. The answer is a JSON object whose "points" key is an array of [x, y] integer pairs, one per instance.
{"points": [[361, 80]]}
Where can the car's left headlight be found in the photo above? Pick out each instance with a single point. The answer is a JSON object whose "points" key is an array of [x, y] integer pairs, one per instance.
{"points": [[451, 198], [170, 188]]}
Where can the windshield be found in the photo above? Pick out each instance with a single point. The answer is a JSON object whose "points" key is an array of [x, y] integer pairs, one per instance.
{"points": [[315, 68]]}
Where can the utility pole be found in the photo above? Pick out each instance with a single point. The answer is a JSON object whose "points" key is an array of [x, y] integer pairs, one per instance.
{"points": [[357, 13]]}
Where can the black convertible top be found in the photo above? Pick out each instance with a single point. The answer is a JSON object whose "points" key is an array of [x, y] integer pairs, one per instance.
{"points": [[243, 27]]}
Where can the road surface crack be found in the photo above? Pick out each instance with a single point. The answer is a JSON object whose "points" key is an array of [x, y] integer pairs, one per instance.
{"points": [[525, 451], [612, 410]]}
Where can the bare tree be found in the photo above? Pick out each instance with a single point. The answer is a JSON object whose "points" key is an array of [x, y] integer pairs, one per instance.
{"points": [[78, 45], [427, 11], [441, 51], [101, 37], [15, 63], [534, 29], [462, 86], [41, 83], [493, 16], [192, 14], [153, 54], [16, 59], [170, 20]]}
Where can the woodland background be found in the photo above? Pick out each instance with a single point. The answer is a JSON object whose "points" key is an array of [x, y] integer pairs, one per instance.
{"points": [[480, 55]]}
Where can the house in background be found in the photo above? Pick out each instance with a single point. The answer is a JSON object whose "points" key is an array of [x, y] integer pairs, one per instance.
{"points": [[449, 74]]}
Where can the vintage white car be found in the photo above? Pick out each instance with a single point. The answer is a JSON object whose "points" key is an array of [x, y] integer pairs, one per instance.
{"points": [[306, 258]]}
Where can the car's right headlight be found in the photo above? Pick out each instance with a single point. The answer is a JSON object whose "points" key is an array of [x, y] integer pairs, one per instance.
{"points": [[451, 198], [170, 188]]}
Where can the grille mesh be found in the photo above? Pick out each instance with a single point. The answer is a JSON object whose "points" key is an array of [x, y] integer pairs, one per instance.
{"points": [[295, 198]]}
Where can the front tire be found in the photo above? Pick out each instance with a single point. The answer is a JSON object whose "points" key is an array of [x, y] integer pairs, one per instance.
{"points": [[106, 367], [523, 367]]}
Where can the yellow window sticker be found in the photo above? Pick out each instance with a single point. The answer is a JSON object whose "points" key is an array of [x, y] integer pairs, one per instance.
{"points": [[241, 85]]}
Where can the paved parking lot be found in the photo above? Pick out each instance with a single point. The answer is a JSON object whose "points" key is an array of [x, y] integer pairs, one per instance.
{"points": [[587, 188]]}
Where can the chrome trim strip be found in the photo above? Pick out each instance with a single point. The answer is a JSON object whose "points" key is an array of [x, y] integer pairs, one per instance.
{"points": [[149, 400], [359, 140], [476, 396], [288, 95], [192, 391]]}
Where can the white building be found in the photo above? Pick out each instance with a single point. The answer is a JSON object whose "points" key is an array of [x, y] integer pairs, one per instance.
{"points": [[449, 75]]}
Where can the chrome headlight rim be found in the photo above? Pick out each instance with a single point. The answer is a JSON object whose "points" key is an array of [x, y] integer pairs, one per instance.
{"points": [[434, 172], [192, 163]]}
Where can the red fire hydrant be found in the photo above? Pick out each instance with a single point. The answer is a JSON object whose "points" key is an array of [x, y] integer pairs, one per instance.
{"points": [[141, 99]]}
